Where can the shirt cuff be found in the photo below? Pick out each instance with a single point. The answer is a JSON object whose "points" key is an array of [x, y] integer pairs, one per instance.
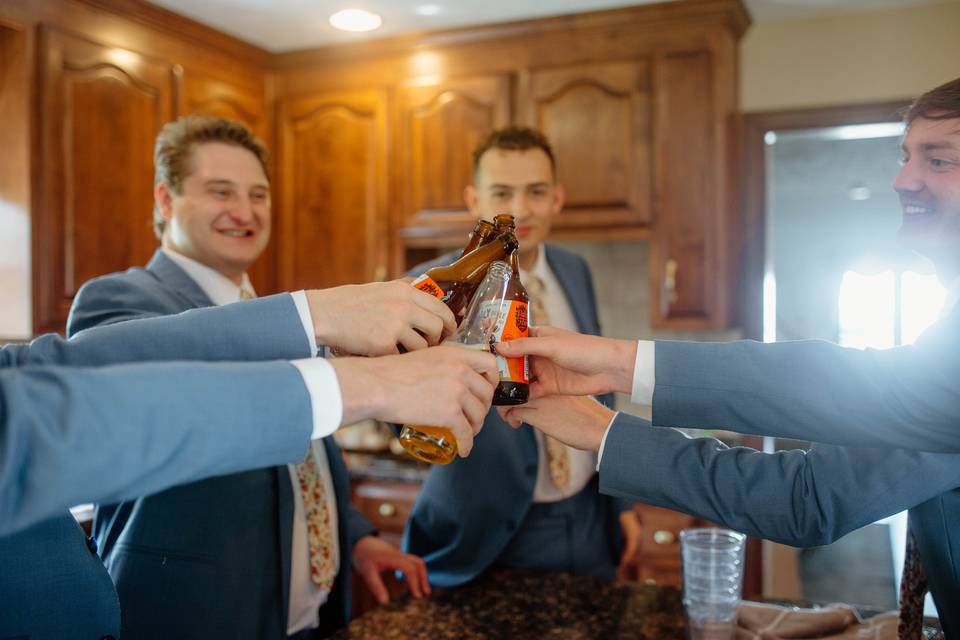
{"points": [[644, 373], [603, 442], [303, 310], [324, 389]]}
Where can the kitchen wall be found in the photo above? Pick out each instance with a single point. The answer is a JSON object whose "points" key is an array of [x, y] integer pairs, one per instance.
{"points": [[621, 280], [864, 57]]}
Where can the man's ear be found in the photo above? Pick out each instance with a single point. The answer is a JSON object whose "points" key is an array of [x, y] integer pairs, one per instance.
{"points": [[559, 198], [470, 197], [164, 199]]}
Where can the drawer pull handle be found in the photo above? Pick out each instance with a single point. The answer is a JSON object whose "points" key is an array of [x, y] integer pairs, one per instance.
{"points": [[650, 581], [662, 536], [387, 510]]}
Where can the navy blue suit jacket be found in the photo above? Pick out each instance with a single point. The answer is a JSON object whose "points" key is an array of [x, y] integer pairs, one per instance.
{"points": [[795, 497], [70, 434], [210, 559], [467, 512]]}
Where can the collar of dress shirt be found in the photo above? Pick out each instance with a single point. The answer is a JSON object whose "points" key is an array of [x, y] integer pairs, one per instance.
{"points": [[540, 268], [953, 296], [218, 287]]}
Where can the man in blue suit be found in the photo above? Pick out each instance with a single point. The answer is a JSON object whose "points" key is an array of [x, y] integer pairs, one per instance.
{"points": [[81, 423], [265, 553], [507, 505], [906, 396]]}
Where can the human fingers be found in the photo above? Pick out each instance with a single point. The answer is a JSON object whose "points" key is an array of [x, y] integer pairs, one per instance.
{"points": [[412, 340], [430, 326], [429, 303], [374, 582]]}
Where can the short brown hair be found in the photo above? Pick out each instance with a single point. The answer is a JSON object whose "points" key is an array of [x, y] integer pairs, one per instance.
{"points": [[940, 103], [174, 148], [514, 138]]}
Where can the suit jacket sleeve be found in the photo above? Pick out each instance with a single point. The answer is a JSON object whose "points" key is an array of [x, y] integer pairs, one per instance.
{"points": [[263, 329], [903, 397], [66, 436], [358, 525], [800, 498]]}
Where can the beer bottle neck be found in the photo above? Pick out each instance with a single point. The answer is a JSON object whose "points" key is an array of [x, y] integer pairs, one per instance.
{"points": [[485, 254]]}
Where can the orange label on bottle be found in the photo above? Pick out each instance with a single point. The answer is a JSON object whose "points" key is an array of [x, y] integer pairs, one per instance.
{"points": [[512, 324], [427, 284]]}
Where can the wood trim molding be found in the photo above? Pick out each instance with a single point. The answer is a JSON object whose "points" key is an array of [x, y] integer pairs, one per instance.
{"points": [[732, 12], [185, 28], [754, 205]]}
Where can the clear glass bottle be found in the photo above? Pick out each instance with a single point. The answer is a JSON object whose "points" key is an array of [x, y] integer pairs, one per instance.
{"points": [[436, 444]]}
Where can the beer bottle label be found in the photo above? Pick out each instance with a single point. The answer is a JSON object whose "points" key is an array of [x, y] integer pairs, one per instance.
{"points": [[512, 324], [426, 283]]}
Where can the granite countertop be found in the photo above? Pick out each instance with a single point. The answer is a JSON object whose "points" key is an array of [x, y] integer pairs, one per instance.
{"points": [[520, 606], [515, 605]]}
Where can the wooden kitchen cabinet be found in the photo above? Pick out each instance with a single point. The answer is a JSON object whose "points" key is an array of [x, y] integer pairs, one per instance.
{"points": [[597, 118], [105, 75], [101, 108], [334, 190], [439, 126], [639, 104]]}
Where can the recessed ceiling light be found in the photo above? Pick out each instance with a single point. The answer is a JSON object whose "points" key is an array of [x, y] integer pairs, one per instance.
{"points": [[428, 9], [355, 20]]}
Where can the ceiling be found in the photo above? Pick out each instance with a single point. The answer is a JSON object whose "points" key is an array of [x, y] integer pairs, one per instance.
{"points": [[287, 25]]}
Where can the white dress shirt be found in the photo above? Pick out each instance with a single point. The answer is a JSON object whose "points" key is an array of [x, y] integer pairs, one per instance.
{"points": [[582, 463], [324, 390]]}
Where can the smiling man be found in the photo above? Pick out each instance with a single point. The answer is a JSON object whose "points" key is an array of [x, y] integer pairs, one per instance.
{"points": [[266, 553]]}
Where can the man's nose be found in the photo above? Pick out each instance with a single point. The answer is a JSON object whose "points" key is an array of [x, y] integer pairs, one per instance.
{"points": [[909, 178], [242, 210]]}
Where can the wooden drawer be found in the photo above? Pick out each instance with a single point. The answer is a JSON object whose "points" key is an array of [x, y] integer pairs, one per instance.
{"points": [[386, 503], [661, 531]]}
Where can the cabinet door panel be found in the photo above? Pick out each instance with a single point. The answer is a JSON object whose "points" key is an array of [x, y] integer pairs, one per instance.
{"points": [[687, 216], [333, 217], [440, 125], [597, 117], [199, 94], [102, 108]]}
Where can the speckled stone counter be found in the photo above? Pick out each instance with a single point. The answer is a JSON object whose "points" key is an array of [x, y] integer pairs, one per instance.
{"points": [[518, 606]]}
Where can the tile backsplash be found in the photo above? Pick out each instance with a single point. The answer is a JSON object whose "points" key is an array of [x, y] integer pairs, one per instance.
{"points": [[621, 278]]}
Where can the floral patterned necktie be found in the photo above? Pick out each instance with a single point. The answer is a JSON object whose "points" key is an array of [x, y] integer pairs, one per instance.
{"points": [[317, 513], [558, 456]]}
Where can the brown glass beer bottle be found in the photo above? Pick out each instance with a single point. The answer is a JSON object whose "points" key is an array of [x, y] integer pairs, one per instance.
{"points": [[455, 284], [483, 232]]}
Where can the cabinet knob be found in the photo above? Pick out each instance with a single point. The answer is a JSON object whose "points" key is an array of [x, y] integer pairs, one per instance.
{"points": [[662, 536], [387, 510], [670, 280]]}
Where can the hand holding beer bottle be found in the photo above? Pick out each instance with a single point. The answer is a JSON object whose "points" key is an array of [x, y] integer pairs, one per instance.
{"points": [[436, 444]]}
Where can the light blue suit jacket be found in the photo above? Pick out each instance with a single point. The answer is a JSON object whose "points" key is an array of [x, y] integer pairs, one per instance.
{"points": [[810, 390], [209, 559], [468, 511], [70, 435], [795, 497]]}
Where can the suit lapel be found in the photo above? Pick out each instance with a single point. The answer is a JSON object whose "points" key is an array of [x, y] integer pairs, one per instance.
{"points": [[574, 288], [285, 532], [167, 271]]}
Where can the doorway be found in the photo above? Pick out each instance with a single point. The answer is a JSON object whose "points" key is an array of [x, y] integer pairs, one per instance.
{"points": [[821, 262]]}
